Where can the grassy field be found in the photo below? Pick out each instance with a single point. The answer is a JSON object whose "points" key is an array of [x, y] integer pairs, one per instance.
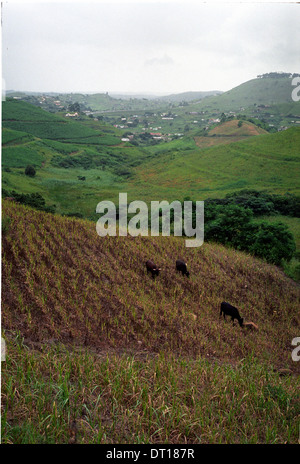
{"points": [[266, 162], [268, 91], [99, 352], [201, 168]]}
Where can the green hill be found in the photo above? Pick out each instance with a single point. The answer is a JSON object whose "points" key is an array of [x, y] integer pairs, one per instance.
{"points": [[76, 162], [99, 352], [22, 116], [259, 91], [268, 99], [264, 162], [65, 152]]}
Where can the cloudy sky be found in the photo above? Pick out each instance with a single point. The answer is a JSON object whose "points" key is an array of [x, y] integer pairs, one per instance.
{"points": [[157, 47]]}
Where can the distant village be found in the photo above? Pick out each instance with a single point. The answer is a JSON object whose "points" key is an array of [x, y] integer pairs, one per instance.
{"points": [[148, 125]]}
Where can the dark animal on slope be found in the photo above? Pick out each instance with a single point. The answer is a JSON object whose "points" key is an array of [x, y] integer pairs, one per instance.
{"points": [[151, 267], [228, 310], [182, 267]]}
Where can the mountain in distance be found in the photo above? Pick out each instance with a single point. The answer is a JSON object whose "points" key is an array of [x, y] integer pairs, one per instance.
{"points": [[189, 96], [258, 92], [262, 96]]}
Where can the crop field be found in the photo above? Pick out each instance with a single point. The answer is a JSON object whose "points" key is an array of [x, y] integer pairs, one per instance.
{"points": [[99, 352]]}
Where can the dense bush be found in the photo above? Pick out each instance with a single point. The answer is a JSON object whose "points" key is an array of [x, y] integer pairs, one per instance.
{"points": [[35, 200], [232, 224], [30, 171], [261, 203], [273, 242]]}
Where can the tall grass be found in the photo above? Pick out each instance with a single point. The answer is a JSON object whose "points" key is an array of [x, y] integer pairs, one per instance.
{"points": [[56, 396]]}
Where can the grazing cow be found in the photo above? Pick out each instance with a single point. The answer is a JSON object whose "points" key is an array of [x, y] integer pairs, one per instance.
{"points": [[151, 267], [250, 326], [229, 310], [181, 267]]}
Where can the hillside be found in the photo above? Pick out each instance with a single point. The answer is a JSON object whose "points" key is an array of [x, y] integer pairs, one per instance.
{"points": [[267, 91], [90, 330], [268, 99], [22, 116], [236, 128], [228, 132], [88, 156], [95, 290], [265, 162], [74, 160], [188, 96]]}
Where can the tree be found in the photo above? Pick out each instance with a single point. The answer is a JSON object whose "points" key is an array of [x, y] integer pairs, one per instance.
{"points": [[74, 107], [227, 224], [30, 171], [273, 242]]}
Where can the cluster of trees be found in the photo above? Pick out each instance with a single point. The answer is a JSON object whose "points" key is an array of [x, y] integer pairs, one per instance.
{"points": [[144, 138], [230, 221], [35, 200], [261, 203], [233, 225], [277, 75], [74, 107], [258, 122]]}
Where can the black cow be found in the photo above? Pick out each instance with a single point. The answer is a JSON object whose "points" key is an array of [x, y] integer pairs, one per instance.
{"points": [[229, 310], [151, 267], [181, 267]]}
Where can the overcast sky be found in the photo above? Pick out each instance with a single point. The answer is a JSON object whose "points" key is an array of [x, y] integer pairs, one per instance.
{"points": [[159, 47]]}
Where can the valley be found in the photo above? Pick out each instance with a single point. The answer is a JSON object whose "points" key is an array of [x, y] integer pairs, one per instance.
{"points": [[98, 351]]}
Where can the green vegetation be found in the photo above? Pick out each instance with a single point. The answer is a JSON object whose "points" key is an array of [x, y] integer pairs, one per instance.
{"points": [[232, 225], [265, 162], [268, 91], [21, 116], [233, 154], [35, 200], [30, 171], [86, 398]]}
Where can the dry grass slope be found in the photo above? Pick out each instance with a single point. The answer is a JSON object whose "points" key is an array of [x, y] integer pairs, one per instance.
{"points": [[99, 352], [61, 282]]}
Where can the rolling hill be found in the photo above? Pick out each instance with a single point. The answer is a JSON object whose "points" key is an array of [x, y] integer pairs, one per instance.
{"points": [[228, 132], [229, 157], [98, 351], [76, 161], [106, 354], [24, 117], [265, 162], [259, 91]]}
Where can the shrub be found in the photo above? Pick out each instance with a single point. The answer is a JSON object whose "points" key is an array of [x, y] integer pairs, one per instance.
{"points": [[30, 171], [274, 243], [35, 200]]}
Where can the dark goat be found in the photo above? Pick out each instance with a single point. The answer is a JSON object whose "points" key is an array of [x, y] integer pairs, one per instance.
{"points": [[229, 310], [181, 267], [151, 267]]}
